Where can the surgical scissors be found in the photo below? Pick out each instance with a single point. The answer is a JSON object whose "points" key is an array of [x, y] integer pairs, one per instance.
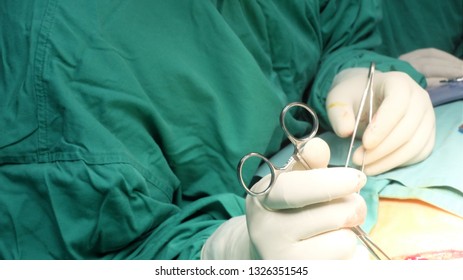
{"points": [[296, 157], [299, 144]]}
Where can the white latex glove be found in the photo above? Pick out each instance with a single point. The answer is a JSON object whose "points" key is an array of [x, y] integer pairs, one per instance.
{"points": [[434, 64], [304, 216], [402, 131]]}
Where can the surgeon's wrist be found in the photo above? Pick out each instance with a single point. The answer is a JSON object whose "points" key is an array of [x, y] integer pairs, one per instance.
{"points": [[229, 242]]}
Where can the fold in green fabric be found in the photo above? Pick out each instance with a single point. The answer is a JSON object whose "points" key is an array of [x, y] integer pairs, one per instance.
{"points": [[123, 121]]}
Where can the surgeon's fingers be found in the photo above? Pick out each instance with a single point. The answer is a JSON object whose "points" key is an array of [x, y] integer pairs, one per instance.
{"points": [[402, 133], [335, 245], [344, 212], [433, 82], [434, 64], [396, 89], [294, 225], [409, 151], [340, 109], [426, 151], [342, 118], [300, 188], [433, 67], [316, 154], [429, 53]]}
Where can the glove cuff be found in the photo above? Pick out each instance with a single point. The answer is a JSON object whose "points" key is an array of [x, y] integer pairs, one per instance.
{"points": [[229, 242]]}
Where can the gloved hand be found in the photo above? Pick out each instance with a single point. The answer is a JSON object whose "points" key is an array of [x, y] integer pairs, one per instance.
{"points": [[434, 64], [305, 215], [402, 131]]}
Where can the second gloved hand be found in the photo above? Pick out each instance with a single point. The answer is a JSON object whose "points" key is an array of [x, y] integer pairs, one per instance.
{"points": [[402, 130], [305, 215], [436, 65]]}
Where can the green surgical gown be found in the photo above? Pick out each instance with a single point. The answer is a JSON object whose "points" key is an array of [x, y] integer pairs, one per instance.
{"points": [[415, 24], [122, 122]]}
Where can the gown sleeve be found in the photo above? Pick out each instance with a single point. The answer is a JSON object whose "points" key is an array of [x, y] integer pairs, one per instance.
{"points": [[124, 121], [93, 162], [349, 32]]}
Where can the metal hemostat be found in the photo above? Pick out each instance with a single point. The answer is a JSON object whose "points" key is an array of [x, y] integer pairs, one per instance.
{"points": [[374, 249], [299, 144]]}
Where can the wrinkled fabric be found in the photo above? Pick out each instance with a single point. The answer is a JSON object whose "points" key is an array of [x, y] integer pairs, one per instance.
{"points": [[123, 121], [438, 179], [409, 25]]}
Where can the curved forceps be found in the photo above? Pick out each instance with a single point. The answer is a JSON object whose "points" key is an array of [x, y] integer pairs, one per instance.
{"points": [[298, 144]]}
